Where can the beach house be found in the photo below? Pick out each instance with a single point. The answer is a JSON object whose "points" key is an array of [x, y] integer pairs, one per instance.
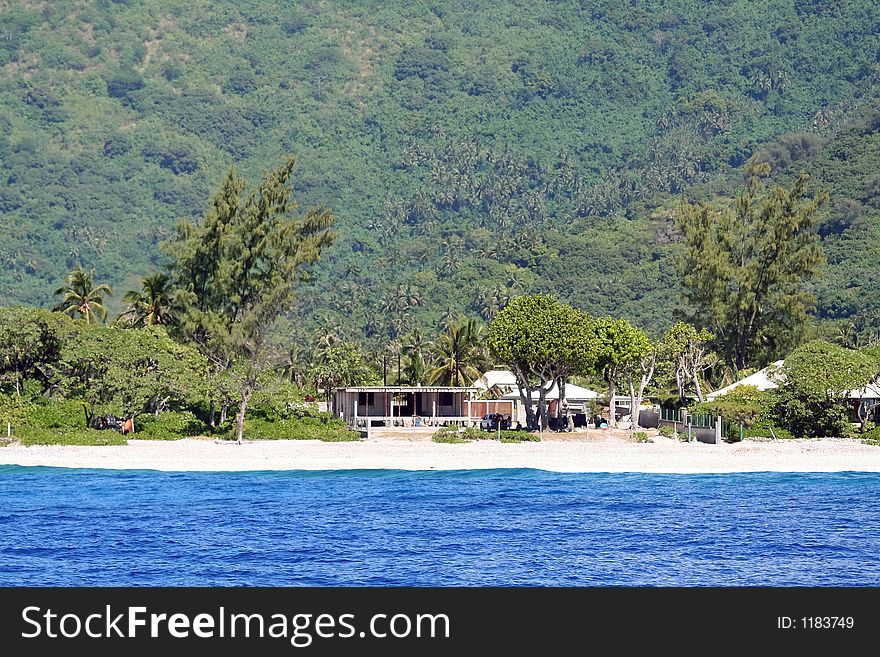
{"points": [[408, 406]]}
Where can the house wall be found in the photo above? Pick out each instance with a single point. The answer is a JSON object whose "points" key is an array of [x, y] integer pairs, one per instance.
{"points": [[425, 404], [481, 407]]}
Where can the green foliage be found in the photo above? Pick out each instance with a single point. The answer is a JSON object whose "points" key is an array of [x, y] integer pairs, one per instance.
{"points": [[30, 342], [235, 272], [542, 341], [322, 427], [820, 369], [338, 364], [453, 149], [44, 421], [871, 437], [170, 425], [666, 431], [642, 437], [766, 428], [40, 436], [128, 371], [747, 270], [151, 305], [452, 434], [811, 416], [620, 345], [519, 437], [82, 298], [818, 377], [459, 355], [689, 354], [744, 404], [55, 414]]}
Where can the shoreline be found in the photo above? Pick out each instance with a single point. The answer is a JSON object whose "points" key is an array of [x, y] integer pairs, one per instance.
{"points": [[420, 453]]}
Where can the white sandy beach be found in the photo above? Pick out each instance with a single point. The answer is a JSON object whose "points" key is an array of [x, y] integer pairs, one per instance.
{"points": [[413, 452]]}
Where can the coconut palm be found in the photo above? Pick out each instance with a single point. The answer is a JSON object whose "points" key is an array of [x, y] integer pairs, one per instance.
{"points": [[457, 355], [152, 304], [82, 297]]}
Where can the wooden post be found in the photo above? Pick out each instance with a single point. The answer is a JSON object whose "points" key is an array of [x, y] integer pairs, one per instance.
{"points": [[355, 413], [434, 412]]}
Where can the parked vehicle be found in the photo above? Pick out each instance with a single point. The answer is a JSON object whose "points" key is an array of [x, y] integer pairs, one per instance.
{"points": [[490, 422]]}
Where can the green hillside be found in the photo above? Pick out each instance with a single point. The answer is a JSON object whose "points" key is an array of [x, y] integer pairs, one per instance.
{"points": [[471, 150]]}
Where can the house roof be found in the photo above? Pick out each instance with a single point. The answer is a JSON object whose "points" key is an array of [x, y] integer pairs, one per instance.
{"points": [[770, 377], [492, 378], [871, 391], [572, 392], [408, 389], [765, 379]]}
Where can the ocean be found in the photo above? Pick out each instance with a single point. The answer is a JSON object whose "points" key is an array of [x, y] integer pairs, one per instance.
{"points": [[67, 527]]}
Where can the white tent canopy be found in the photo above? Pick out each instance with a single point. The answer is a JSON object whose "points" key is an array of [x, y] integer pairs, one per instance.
{"points": [[573, 393], [765, 379], [771, 377], [493, 378]]}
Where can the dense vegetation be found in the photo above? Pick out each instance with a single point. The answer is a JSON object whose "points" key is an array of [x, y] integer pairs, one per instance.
{"points": [[62, 379], [472, 151]]}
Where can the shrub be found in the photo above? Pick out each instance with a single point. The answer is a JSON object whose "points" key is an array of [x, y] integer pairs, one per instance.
{"points": [[462, 435], [170, 425], [642, 437], [56, 414], [667, 431], [766, 429], [322, 427], [453, 434], [519, 437], [442, 436], [123, 83], [810, 416], [872, 437], [67, 436]]}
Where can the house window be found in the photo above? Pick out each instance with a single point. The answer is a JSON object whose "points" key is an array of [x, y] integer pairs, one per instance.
{"points": [[365, 399], [445, 399]]}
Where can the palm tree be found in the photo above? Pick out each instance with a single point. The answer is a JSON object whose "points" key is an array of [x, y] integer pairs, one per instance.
{"points": [[414, 371], [457, 355], [152, 305], [83, 297]]}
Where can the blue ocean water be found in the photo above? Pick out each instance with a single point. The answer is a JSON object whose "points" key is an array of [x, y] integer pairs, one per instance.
{"points": [[467, 528]]}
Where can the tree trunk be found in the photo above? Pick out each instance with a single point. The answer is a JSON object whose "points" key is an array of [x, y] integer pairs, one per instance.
{"points": [[224, 409], [679, 382], [560, 383], [89, 416], [633, 412], [239, 418], [697, 387], [542, 407], [525, 396], [612, 389], [211, 421]]}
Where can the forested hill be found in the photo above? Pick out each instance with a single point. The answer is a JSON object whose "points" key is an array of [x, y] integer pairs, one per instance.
{"points": [[470, 149]]}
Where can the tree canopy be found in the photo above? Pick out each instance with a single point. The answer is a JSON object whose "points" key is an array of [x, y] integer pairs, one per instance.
{"points": [[747, 270], [235, 273], [543, 342]]}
